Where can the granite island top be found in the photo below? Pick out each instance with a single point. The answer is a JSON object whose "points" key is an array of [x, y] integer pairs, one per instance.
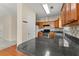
{"points": [[49, 47]]}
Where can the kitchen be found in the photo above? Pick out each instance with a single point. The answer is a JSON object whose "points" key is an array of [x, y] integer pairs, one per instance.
{"points": [[42, 29], [60, 33]]}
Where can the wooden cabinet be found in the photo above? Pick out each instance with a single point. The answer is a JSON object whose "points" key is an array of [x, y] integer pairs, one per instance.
{"points": [[40, 24], [40, 34], [57, 24], [52, 35], [63, 13], [74, 11], [43, 24], [60, 22], [70, 13]]}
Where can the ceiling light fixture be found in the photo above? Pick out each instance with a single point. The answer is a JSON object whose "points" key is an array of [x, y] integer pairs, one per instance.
{"points": [[45, 6], [51, 7]]}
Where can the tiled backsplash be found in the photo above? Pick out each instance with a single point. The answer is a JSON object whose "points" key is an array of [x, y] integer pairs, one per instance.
{"points": [[73, 30]]}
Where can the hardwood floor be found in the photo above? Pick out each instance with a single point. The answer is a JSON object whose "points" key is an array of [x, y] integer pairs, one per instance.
{"points": [[11, 51]]}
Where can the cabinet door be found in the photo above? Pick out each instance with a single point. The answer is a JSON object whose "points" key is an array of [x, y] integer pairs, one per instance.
{"points": [[73, 11], [62, 19], [64, 15], [78, 12], [68, 13], [60, 22], [40, 25], [57, 23]]}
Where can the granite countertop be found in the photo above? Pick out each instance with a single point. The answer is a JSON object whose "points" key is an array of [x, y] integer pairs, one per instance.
{"points": [[46, 46], [73, 44]]}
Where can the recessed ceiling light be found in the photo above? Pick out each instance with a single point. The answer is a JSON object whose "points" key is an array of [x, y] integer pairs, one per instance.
{"points": [[51, 7], [45, 6]]}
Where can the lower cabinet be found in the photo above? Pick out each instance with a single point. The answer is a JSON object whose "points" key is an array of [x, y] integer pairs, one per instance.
{"points": [[40, 34], [52, 35]]}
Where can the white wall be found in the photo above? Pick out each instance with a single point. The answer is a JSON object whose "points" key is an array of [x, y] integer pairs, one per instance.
{"points": [[1, 28], [27, 30], [8, 27], [14, 28], [19, 24]]}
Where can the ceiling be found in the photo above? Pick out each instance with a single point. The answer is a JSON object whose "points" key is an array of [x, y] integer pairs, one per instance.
{"points": [[8, 8], [11, 8], [40, 12]]}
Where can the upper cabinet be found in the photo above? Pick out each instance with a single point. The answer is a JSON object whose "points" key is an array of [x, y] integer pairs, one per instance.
{"points": [[42, 24], [56, 24], [74, 11], [67, 13], [70, 14], [63, 13]]}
